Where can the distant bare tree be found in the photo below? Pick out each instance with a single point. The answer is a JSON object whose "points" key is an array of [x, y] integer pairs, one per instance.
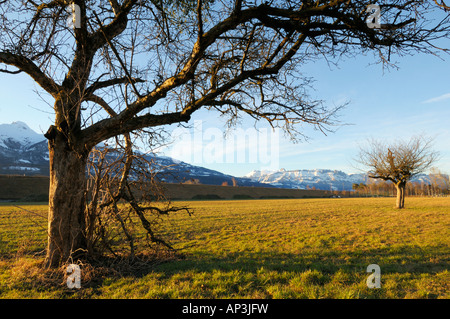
{"points": [[398, 162]]}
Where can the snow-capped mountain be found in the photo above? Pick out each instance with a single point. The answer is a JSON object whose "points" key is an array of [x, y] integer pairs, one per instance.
{"points": [[323, 179], [302, 179], [170, 170], [18, 133], [22, 150], [25, 152]]}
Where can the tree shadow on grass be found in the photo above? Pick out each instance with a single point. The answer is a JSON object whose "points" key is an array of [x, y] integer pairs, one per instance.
{"points": [[253, 268], [407, 259]]}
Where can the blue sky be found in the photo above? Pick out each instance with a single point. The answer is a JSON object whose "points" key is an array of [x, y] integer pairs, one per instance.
{"points": [[387, 105], [413, 100]]}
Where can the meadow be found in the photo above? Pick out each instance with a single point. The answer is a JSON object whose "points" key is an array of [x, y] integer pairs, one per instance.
{"points": [[284, 248]]}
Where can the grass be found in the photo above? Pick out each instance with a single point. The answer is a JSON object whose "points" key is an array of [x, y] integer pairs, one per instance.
{"points": [[284, 248]]}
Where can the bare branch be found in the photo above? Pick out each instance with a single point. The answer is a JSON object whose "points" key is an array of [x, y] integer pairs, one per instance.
{"points": [[27, 66], [111, 82], [115, 6]]}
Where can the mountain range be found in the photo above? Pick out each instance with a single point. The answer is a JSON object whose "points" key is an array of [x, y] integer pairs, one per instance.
{"points": [[25, 152], [323, 179]]}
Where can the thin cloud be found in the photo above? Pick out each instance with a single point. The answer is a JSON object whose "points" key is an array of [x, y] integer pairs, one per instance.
{"points": [[438, 98]]}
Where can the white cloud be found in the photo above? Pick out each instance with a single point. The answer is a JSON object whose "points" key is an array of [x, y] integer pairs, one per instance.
{"points": [[438, 98]]}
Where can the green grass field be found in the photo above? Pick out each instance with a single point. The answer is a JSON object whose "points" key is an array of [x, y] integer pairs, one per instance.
{"points": [[289, 248]]}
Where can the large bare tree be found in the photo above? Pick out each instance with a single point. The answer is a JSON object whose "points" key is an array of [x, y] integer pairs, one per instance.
{"points": [[118, 66], [398, 162]]}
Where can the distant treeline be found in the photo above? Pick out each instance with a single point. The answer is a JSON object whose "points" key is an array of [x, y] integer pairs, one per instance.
{"points": [[438, 186]]}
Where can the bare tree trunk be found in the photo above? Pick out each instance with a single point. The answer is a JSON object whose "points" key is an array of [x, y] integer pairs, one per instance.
{"points": [[400, 203], [66, 238]]}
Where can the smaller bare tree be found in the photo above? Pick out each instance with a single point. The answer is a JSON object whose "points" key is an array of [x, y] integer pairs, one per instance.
{"points": [[398, 162]]}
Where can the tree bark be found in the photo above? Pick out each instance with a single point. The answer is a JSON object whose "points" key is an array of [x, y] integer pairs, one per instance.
{"points": [[401, 186], [66, 220]]}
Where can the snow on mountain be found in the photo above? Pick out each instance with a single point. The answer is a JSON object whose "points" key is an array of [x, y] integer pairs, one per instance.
{"points": [[171, 170], [22, 150], [18, 133], [323, 179], [302, 179]]}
